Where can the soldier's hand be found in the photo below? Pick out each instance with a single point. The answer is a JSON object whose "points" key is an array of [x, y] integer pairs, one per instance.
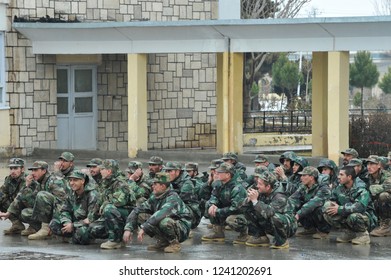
{"points": [[332, 209], [127, 236], [67, 228], [376, 189], [57, 166], [212, 210], [252, 195], [86, 221], [29, 180], [140, 236], [4, 215]]}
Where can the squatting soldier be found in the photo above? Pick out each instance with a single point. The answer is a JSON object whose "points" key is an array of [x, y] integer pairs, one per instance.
{"points": [[257, 170], [13, 183], [268, 210], [198, 179], [115, 203], [94, 170], [78, 211], [260, 160], [285, 169], [351, 207], [223, 206], [39, 201], [239, 168], [184, 186], [360, 169], [155, 165], [137, 182], [380, 190], [169, 219], [328, 167], [65, 165], [308, 201]]}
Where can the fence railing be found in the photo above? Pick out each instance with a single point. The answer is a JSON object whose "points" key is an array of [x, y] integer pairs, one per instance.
{"points": [[292, 121]]}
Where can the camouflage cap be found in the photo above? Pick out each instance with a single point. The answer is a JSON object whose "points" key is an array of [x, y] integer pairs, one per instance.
{"points": [[191, 166], [350, 151], [354, 162], [215, 163], [310, 170], [67, 156], [111, 164], [173, 165], [287, 155], [77, 174], [261, 158], [383, 161], [373, 159], [225, 167], [133, 166], [259, 170], [39, 165], [161, 177], [95, 162], [268, 177], [16, 162], [156, 160], [326, 163], [230, 155]]}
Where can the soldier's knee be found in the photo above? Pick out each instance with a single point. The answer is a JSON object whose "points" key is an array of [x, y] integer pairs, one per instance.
{"points": [[384, 197]]}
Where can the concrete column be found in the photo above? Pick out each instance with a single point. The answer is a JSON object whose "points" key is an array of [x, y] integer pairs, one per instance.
{"points": [[338, 103], [5, 128], [229, 91], [137, 104], [319, 104]]}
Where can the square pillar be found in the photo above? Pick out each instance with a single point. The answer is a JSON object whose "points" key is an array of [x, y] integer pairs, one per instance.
{"points": [[137, 104]]}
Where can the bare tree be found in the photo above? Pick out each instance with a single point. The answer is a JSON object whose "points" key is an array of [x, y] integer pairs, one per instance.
{"points": [[382, 7], [255, 9]]}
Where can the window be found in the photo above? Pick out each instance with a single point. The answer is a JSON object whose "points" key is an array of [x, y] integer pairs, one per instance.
{"points": [[2, 71]]}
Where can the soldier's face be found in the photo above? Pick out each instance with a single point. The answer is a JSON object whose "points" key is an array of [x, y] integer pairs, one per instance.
{"points": [[65, 164], [154, 168], [222, 176], [262, 186], [15, 172], [343, 178], [94, 170], [105, 173], [326, 171], [287, 164], [347, 158], [38, 173], [158, 188], [305, 179], [191, 173], [173, 174], [373, 167], [231, 161], [77, 185], [261, 164], [295, 167]]}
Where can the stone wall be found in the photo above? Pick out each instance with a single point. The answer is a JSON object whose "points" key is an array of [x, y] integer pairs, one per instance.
{"points": [[181, 87]]}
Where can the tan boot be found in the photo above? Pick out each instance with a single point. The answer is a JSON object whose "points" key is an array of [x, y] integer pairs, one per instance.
{"points": [[174, 247], [261, 241], [347, 237], [282, 246], [362, 238], [16, 228], [383, 230], [158, 246], [109, 245], [242, 238], [28, 231], [320, 235], [43, 233], [306, 232], [217, 235]]}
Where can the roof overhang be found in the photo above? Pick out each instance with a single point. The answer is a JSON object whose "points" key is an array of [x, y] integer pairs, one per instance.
{"points": [[252, 35]]}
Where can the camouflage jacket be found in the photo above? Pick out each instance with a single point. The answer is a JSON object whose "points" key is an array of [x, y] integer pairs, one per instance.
{"points": [[293, 184], [306, 200], [10, 189], [168, 204], [354, 200], [228, 198], [115, 190], [55, 185], [384, 179], [240, 169], [140, 188], [77, 208]]}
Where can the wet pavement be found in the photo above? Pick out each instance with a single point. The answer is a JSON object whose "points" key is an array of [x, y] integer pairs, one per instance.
{"points": [[18, 247]]}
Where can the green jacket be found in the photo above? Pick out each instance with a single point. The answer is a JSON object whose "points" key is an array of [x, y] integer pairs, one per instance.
{"points": [[10, 189], [140, 188]]}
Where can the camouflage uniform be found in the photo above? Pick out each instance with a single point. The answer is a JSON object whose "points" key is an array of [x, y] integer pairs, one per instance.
{"points": [[294, 180], [11, 186], [308, 202], [69, 157], [156, 161], [257, 170], [333, 180], [169, 218], [288, 155], [94, 163], [271, 214], [184, 186], [141, 189], [240, 168], [42, 200], [75, 209], [115, 203]]}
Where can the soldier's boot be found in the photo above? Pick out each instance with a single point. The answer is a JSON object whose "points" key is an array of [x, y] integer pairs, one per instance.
{"points": [[320, 235], [110, 245], [16, 228], [174, 247], [242, 238], [191, 234], [43, 233], [362, 238], [217, 235], [28, 231], [383, 230], [347, 236], [261, 241], [306, 232], [209, 226], [158, 246], [282, 246]]}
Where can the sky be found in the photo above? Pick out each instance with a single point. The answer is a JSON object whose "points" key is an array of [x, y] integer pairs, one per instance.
{"points": [[340, 8]]}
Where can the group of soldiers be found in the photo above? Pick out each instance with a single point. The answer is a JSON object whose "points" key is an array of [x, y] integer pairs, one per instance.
{"points": [[102, 201]]}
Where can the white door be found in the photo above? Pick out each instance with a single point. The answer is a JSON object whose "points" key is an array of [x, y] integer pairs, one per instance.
{"points": [[76, 107]]}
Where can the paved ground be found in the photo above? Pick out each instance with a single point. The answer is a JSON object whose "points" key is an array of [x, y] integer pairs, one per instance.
{"points": [[17, 247]]}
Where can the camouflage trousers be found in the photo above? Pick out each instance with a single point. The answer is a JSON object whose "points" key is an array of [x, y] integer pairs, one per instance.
{"points": [[79, 235], [280, 226], [168, 230], [356, 222], [4, 202], [382, 204], [236, 222], [316, 220], [44, 209], [110, 225]]}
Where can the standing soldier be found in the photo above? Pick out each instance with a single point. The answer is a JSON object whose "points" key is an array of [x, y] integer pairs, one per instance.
{"points": [[115, 203], [137, 182], [8, 191], [78, 211], [169, 220]]}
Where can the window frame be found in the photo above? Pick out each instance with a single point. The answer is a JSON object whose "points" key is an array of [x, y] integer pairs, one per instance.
{"points": [[3, 101]]}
